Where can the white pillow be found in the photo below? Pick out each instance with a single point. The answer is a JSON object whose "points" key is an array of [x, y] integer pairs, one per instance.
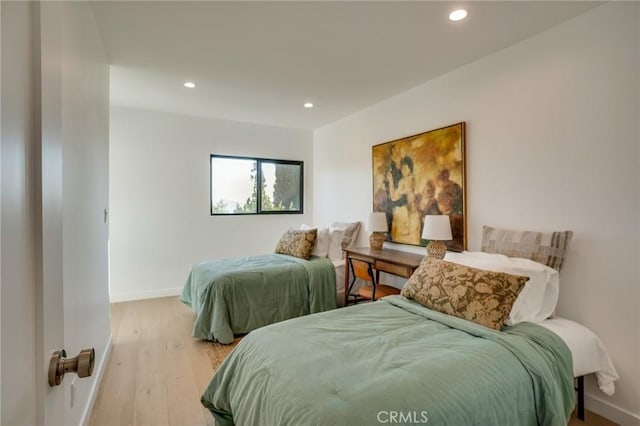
{"points": [[336, 235], [538, 299], [321, 248]]}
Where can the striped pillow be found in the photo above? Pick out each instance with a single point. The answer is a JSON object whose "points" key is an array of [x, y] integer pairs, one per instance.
{"points": [[547, 248], [350, 232]]}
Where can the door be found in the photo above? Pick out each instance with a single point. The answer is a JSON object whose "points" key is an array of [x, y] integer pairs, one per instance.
{"points": [[19, 384], [53, 229], [48, 185]]}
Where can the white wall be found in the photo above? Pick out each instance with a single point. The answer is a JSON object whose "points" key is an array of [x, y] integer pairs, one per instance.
{"points": [[159, 197], [18, 263], [552, 144], [85, 135]]}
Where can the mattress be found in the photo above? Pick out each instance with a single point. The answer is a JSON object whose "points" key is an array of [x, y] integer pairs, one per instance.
{"points": [[587, 350]]}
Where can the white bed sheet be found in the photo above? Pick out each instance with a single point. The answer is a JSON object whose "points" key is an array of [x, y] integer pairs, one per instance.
{"points": [[339, 265], [587, 350]]}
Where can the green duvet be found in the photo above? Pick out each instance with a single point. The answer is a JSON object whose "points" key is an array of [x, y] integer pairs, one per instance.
{"points": [[235, 296], [393, 361]]}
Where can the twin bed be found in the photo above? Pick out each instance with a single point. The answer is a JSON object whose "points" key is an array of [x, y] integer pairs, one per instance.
{"points": [[361, 364], [237, 295], [398, 360], [354, 366]]}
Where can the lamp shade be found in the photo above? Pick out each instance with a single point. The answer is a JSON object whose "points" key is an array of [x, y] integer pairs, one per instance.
{"points": [[377, 222], [436, 227]]}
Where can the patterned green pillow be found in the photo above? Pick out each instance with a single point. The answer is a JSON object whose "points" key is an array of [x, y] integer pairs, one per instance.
{"points": [[484, 297], [298, 243]]}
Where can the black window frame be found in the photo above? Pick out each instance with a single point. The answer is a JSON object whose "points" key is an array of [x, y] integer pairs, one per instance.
{"points": [[259, 162]]}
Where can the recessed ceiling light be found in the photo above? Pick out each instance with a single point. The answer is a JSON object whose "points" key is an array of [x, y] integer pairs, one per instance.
{"points": [[458, 15], [190, 84], [308, 105]]}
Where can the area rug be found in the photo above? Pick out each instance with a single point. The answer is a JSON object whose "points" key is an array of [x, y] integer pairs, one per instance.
{"points": [[217, 352]]}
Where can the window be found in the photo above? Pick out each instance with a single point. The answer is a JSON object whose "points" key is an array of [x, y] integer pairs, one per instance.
{"points": [[234, 185]]}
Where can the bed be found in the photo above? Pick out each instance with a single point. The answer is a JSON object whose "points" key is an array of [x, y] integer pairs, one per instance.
{"points": [[237, 295], [391, 342], [361, 364]]}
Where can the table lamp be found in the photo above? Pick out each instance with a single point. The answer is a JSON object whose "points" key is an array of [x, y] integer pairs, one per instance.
{"points": [[437, 228], [377, 224]]}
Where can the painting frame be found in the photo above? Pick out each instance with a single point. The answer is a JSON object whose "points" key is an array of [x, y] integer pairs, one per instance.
{"points": [[419, 175]]}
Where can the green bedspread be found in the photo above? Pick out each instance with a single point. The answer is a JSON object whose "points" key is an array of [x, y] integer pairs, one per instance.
{"points": [[369, 363], [235, 296]]}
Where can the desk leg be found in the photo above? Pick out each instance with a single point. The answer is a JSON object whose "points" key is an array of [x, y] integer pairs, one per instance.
{"points": [[347, 274]]}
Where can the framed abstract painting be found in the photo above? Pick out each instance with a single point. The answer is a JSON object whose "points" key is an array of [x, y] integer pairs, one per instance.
{"points": [[422, 175]]}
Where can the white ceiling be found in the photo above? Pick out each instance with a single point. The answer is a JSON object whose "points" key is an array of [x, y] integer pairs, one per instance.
{"points": [[260, 61]]}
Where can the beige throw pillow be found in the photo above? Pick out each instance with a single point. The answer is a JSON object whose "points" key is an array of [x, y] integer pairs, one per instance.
{"points": [[298, 243], [484, 297]]}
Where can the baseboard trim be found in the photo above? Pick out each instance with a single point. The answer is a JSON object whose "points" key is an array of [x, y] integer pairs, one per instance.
{"points": [[610, 411], [93, 394], [149, 294]]}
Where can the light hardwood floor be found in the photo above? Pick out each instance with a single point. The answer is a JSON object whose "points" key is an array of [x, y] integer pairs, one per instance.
{"points": [[157, 371]]}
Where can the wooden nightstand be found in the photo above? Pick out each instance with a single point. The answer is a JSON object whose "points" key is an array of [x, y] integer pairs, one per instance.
{"points": [[395, 262]]}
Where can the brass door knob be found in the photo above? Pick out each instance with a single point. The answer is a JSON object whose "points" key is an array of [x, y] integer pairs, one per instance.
{"points": [[59, 364]]}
